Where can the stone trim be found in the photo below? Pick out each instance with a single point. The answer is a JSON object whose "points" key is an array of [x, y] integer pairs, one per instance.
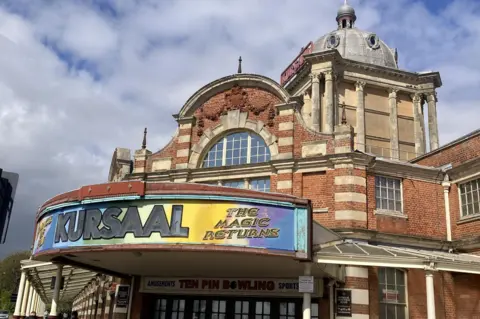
{"points": [[360, 272], [285, 126], [285, 141], [351, 215], [284, 184], [350, 197], [183, 152], [390, 213], [183, 139], [351, 180], [233, 120]]}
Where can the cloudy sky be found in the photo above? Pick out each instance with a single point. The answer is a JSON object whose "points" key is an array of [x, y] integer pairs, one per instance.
{"points": [[79, 78]]}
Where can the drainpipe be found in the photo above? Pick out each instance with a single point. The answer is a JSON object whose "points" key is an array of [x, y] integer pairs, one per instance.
{"points": [[446, 192], [331, 293]]}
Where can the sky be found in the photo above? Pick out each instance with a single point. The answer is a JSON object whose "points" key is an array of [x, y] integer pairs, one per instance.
{"points": [[81, 77]]}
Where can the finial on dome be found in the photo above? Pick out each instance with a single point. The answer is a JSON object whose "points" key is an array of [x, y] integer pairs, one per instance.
{"points": [[346, 16], [239, 65]]}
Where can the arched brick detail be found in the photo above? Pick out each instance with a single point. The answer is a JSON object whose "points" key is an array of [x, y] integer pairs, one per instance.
{"points": [[225, 83], [234, 120]]}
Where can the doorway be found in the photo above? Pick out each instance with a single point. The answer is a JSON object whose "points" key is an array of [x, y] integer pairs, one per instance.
{"points": [[207, 307]]}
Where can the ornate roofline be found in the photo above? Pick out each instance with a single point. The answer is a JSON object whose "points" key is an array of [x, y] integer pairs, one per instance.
{"points": [[217, 86]]}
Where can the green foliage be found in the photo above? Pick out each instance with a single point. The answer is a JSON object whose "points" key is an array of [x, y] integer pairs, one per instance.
{"points": [[9, 276]]}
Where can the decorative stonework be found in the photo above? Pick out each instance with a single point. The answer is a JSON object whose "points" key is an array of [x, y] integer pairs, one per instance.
{"points": [[235, 99]]}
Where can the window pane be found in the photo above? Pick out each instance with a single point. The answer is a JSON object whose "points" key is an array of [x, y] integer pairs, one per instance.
{"points": [[388, 193]]}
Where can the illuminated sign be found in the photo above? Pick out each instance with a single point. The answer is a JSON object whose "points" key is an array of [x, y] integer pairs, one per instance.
{"points": [[297, 63], [192, 221], [255, 286]]}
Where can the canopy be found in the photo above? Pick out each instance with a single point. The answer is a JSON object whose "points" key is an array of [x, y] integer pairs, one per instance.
{"points": [[358, 253], [40, 276]]}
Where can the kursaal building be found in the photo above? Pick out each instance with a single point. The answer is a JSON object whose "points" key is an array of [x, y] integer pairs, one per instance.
{"points": [[323, 196]]}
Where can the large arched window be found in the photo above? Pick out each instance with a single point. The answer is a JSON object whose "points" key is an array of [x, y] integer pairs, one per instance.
{"points": [[236, 149]]}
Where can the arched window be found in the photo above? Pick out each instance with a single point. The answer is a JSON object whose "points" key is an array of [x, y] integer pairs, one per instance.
{"points": [[392, 293], [236, 149]]}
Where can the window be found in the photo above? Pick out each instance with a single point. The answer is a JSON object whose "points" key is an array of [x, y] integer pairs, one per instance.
{"points": [[241, 309], [240, 183], [388, 195], [469, 197], [287, 310], [219, 309], [199, 309], [236, 149], [262, 310], [314, 310], [160, 309], [260, 184], [392, 293], [178, 309]]}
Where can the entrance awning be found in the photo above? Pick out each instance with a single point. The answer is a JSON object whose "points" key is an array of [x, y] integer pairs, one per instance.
{"points": [[356, 253], [40, 275]]}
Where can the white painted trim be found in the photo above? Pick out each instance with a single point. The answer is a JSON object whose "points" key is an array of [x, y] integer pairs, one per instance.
{"points": [[359, 272]]}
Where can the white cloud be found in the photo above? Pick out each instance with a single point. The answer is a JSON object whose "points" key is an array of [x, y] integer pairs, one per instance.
{"points": [[59, 126]]}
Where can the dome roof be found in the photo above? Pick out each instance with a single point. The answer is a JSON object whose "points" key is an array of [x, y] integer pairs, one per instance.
{"points": [[358, 45], [355, 44]]}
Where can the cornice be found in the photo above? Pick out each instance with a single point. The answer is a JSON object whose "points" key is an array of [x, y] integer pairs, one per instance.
{"points": [[464, 170], [467, 244], [406, 170]]}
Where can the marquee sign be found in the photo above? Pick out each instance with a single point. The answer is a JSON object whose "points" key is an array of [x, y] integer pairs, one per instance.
{"points": [[222, 286], [193, 221]]}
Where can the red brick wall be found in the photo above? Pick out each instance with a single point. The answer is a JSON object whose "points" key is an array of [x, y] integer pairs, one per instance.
{"points": [[318, 188], [423, 204], [467, 296], [456, 154]]}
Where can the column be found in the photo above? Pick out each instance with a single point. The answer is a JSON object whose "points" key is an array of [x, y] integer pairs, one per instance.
{"points": [[417, 124], [26, 292], [392, 102], [307, 297], [30, 301], [315, 77], [20, 296], [430, 295], [361, 140], [446, 194], [432, 121], [329, 111], [56, 292]]}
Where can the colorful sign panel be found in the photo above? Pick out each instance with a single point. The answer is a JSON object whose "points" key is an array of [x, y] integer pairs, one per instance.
{"points": [[156, 221], [222, 286]]}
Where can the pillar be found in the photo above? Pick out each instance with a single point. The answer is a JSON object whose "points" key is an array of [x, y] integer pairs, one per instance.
{"points": [[307, 297], [432, 121], [329, 106], [446, 198], [417, 124], [26, 292], [361, 140], [430, 295], [31, 296], [315, 77], [392, 103], [20, 296], [56, 291], [356, 280]]}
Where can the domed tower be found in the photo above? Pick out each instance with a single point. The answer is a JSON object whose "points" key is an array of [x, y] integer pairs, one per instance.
{"points": [[354, 69]]}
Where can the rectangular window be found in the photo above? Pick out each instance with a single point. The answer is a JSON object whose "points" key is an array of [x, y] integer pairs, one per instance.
{"points": [[178, 309], [160, 309], [235, 183], [262, 310], [388, 194], [392, 293], [287, 310], [260, 184], [219, 309], [241, 309], [199, 309], [469, 197]]}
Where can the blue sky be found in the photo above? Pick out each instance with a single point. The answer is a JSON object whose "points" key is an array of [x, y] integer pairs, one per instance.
{"points": [[79, 78]]}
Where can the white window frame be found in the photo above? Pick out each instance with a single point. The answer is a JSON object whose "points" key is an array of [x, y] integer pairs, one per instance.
{"points": [[247, 182], [462, 216], [224, 150], [389, 211], [405, 278]]}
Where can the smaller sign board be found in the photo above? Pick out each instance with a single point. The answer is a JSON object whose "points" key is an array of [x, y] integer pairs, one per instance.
{"points": [[344, 303], [390, 295], [13, 298], [306, 284], [122, 297]]}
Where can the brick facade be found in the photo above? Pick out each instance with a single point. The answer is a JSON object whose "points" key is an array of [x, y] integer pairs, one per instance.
{"points": [[340, 182]]}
